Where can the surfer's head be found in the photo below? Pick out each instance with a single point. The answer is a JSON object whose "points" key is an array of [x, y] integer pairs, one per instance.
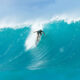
{"points": [[40, 30]]}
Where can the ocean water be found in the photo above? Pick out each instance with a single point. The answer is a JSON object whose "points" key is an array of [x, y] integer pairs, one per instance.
{"points": [[56, 57]]}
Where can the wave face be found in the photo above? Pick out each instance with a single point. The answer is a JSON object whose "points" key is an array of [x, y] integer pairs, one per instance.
{"points": [[58, 51]]}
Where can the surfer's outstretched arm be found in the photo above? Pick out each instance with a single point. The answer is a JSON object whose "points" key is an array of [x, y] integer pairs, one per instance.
{"points": [[43, 33]]}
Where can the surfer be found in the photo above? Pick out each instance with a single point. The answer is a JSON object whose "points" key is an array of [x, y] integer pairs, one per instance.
{"points": [[39, 34]]}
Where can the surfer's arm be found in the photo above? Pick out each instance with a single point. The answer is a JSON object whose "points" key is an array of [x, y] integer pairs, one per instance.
{"points": [[43, 33]]}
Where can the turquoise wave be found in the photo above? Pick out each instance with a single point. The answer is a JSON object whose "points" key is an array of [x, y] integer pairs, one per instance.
{"points": [[57, 51]]}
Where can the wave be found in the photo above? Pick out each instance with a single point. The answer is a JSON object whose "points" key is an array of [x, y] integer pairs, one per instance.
{"points": [[59, 49]]}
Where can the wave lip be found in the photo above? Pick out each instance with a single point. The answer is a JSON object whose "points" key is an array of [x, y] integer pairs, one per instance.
{"points": [[66, 18], [37, 23]]}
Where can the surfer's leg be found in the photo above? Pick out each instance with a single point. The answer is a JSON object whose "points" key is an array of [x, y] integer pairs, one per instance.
{"points": [[37, 37], [40, 35]]}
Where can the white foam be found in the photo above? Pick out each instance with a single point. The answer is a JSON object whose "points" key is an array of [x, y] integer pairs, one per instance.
{"points": [[8, 24], [66, 18], [14, 25], [31, 40]]}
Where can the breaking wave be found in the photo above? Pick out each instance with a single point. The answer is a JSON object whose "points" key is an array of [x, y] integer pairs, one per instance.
{"points": [[60, 48]]}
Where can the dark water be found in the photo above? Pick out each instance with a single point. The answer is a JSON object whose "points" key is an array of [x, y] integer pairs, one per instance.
{"points": [[56, 57]]}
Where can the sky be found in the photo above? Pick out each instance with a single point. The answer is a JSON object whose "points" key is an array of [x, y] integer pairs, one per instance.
{"points": [[26, 10]]}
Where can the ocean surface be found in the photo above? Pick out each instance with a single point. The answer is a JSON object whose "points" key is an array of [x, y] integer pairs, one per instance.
{"points": [[56, 57]]}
